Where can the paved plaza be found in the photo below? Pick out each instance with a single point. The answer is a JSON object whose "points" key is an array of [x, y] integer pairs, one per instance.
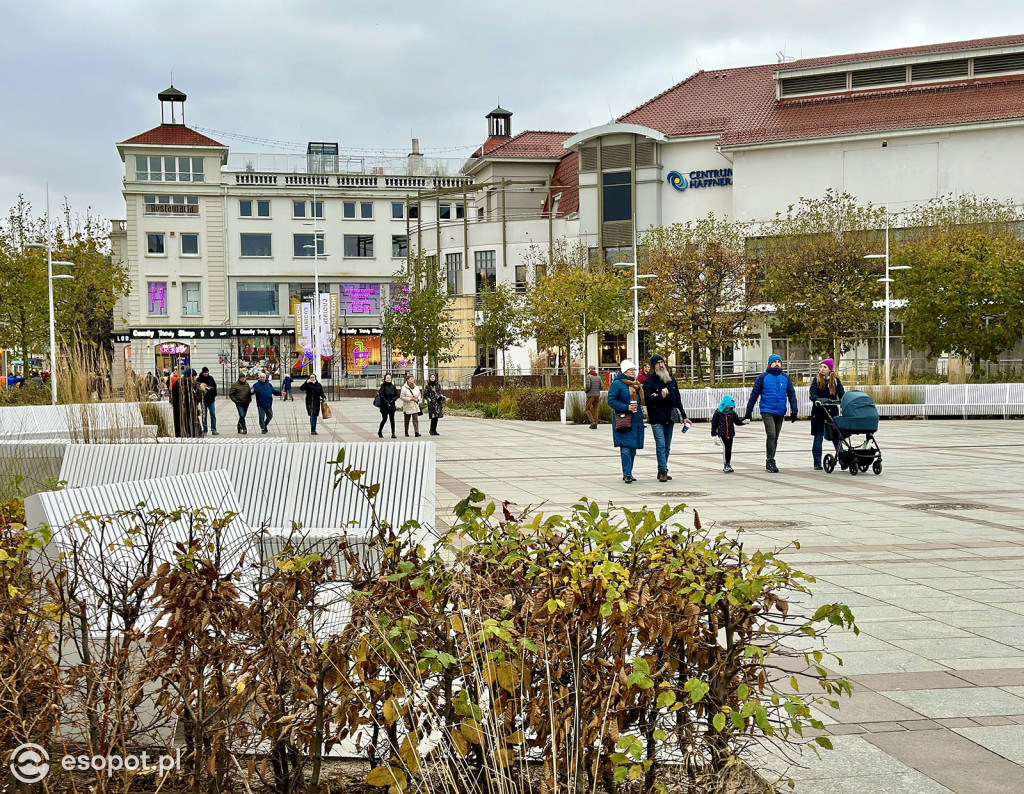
{"points": [[930, 556]]}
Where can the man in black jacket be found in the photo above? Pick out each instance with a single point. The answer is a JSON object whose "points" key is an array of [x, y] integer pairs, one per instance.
{"points": [[209, 391], [661, 394]]}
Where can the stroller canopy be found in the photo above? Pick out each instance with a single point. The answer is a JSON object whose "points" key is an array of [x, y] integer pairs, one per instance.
{"points": [[859, 414]]}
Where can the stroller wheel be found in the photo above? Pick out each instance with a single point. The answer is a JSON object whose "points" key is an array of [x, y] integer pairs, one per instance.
{"points": [[828, 463], [876, 467], [853, 468]]}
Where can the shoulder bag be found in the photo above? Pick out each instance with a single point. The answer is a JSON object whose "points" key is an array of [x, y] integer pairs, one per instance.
{"points": [[325, 410], [623, 421], [376, 401], [676, 416]]}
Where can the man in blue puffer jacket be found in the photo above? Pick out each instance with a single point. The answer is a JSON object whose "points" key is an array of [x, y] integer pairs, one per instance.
{"points": [[773, 387]]}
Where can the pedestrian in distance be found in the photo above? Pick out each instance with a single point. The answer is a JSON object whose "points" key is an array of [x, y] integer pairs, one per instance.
{"points": [[435, 399], [411, 410], [773, 388], [286, 389], [592, 392], [264, 392], [664, 411], [314, 397], [387, 396], [644, 373], [241, 396], [208, 388], [824, 386], [723, 429], [625, 398], [186, 400]]}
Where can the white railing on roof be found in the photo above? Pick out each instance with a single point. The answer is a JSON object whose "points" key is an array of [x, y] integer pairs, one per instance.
{"points": [[263, 162]]}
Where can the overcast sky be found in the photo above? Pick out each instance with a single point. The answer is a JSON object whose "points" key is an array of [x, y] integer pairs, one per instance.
{"points": [[78, 77]]}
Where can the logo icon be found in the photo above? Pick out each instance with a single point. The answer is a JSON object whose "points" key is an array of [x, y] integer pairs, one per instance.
{"points": [[677, 180], [29, 763]]}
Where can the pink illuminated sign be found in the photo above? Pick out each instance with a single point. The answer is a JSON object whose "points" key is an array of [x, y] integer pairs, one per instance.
{"points": [[360, 298]]}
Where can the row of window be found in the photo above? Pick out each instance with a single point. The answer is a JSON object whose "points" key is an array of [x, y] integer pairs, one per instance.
{"points": [[350, 210], [168, 169], [259, 245], [191, 298]]}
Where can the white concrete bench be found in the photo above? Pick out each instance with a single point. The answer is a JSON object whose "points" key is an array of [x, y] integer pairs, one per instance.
{"points": [[945, 399], [280, 483], [986, 399], [92, 422]]}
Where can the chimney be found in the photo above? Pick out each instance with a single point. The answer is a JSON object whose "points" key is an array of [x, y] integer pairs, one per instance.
{"points": [[414, 165]]}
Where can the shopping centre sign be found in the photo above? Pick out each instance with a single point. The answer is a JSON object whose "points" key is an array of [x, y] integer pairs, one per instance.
{"points": [[716, 177]]}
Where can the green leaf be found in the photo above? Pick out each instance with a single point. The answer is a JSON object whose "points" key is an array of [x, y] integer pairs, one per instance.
{"points": [[666, 698], [719, 722], [742, 691], [824, 741]]}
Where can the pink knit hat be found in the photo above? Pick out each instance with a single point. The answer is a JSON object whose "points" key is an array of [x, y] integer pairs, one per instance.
{"points": [[829, 363]]}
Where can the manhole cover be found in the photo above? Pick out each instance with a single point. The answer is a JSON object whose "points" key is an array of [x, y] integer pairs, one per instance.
{"points": [[945, 506], [739, 524], [677, 494]]}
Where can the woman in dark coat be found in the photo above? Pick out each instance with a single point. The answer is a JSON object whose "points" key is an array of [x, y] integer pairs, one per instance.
{"points": [[435, 402], [825, 386], [314, 396], [186, 406], [387, 396], [626, 394]]}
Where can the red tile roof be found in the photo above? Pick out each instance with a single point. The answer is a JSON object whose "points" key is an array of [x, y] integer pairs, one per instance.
{"points": [[172, 135], [566, 177], [928, 49], [740, 105], [531, 143]]}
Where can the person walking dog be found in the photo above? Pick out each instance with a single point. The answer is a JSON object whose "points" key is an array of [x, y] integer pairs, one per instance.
{"points": [[773, 388], [625, 398], [825, 386], [664, 411], [592, 391]]}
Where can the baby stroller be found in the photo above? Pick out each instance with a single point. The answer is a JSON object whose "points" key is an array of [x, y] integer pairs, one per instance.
{"points": [[858, 416]]}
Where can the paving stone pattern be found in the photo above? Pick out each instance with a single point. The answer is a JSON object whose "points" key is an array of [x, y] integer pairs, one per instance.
{"points": [[938, 593]]}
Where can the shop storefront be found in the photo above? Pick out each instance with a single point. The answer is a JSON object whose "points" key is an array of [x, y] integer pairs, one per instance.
{"points": [[162, 350], [264, 349], [361, 352]]}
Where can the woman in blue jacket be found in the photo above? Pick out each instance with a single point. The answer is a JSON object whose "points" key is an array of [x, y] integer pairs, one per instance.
{"points": [[773, 388], [626, 395]]}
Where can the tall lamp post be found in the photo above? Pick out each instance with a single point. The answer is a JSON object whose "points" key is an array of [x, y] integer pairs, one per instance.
{"points": [[316, 289], [50, 277], [636, 300], [887, 280]]}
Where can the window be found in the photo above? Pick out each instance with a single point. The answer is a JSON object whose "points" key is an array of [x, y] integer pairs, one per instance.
{"points": [[449, 211], [365, 210], [310, 209], [614, 254], [245, 208], [157, 298], [485, 274], [453, 267], [304, 244], [191, 299], [257, 299], [155, 244], [171, 205], [399, 246], [303, 293], [414, 211], [520, 278], [613, 349], [168, 169], [190, 245], [618, 201], [397, 210], [360, 245], [349, 210], [255, 245]]}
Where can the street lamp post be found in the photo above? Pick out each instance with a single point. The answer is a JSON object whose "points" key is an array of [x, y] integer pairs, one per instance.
{"points": [[887, 280], [316, 290], [48, 247]]}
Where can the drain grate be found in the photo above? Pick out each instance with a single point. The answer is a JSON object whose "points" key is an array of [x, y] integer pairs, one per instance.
{"points": [[945, 506], [757, 524], [677, 494]]}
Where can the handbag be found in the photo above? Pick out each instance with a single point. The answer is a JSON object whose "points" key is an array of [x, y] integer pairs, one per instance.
{"points": [[325, 410], [623, 421], [676, 416], [376, 401]]}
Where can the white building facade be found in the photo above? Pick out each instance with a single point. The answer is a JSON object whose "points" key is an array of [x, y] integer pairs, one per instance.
{"points": [[220, 250]]}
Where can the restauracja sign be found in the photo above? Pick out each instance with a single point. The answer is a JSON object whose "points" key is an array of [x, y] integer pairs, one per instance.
{"points": [[716, 177]]}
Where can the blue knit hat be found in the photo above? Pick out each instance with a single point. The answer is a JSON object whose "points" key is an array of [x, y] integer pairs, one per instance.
{"points": [[727, 403], [774, 357]]}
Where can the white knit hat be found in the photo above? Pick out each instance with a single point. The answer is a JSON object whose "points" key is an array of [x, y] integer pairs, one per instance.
{"points": [[626, 365]]}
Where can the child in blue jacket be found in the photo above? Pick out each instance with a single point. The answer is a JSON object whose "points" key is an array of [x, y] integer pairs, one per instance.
{"points": [[723, 429]]}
